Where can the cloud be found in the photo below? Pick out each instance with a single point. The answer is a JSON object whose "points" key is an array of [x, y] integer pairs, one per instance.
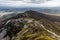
{"points": [[19, 2], [35, 1], [53, 3], [30, 3]]}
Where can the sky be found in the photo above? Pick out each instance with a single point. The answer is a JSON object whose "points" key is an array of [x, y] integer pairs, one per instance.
{"points": [[30, 3]]}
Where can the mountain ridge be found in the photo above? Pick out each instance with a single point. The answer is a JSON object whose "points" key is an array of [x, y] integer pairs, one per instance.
{"points": [[30, 23]]}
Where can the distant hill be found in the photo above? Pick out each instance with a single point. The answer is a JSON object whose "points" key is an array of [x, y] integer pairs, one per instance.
{"points": [[41, 9]]}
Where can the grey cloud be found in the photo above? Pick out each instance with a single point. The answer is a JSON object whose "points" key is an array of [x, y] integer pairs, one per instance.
{"points": [[29, 1], [36, 1], [32, 1], [17, 0]]}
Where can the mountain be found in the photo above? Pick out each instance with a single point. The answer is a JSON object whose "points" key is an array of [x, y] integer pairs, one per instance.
{"points": [[30, 25]]}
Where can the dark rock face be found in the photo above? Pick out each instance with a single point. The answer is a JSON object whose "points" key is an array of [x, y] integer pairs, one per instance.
{"points": [[13, 26]]}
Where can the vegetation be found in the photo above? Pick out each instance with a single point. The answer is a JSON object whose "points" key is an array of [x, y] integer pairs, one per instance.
{"points": [[32, 31]]}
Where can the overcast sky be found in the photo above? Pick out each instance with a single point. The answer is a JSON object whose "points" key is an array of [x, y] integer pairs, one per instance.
{"points": [[30, 3]]}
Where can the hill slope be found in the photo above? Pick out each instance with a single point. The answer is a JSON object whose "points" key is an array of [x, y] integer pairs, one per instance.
{"points": [[31, 25]]}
